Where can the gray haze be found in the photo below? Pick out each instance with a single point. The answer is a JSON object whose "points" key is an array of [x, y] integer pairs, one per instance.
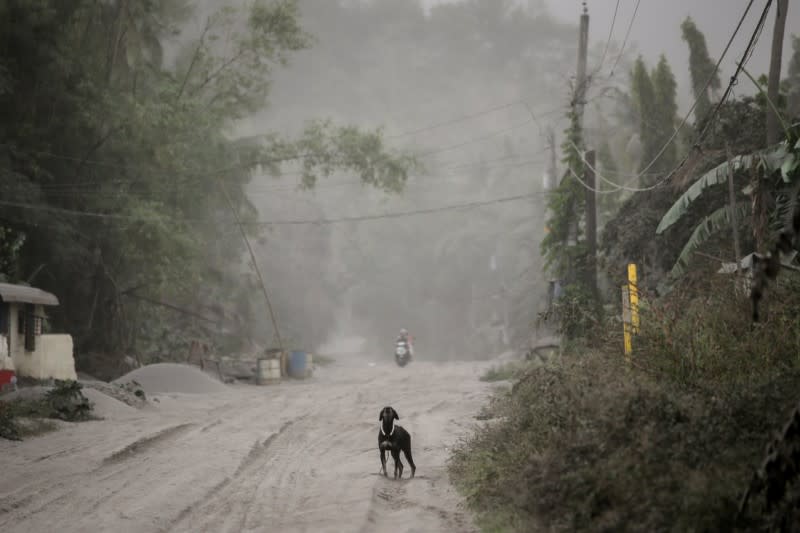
{"points": [[408, 67], [656, 31]]}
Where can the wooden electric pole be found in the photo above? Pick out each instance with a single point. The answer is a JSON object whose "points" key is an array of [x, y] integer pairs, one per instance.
{"points": [[552, 170], [579, 100], [580, 81], [255, 262], [737, 249], [774, 132], [591, 222]]}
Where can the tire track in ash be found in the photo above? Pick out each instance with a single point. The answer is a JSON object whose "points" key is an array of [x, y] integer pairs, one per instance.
{"points": [[224, 500], [143, 444], [114, 468], [319, 483]]}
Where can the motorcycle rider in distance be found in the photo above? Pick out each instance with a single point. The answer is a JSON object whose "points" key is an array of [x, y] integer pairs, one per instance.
{"points": [[405, 337]]}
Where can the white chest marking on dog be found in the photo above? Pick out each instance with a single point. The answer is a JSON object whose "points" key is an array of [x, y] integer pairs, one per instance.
{"points": [[384, 433]]}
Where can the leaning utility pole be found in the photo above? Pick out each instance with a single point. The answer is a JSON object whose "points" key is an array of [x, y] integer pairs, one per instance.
{"points": [[255, 263], [774, 134]]}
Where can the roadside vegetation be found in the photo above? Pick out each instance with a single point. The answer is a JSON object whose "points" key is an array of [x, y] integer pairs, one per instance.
{"points": [[667, 442], [30, 415], [698, 429], [124, 114], [503, 372]]}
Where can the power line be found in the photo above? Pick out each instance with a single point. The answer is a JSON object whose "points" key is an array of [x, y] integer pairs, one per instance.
{"points": [[439, 177], [451, 170], [610, 34], [453, 121], [587, 186], [297, 157], [734, 79], [617, 186], [403, 214], [475, 140], [415, 186], [265, 161], [686, 117], [625, 41], [328, 221], [453, 165], [739, 66]]}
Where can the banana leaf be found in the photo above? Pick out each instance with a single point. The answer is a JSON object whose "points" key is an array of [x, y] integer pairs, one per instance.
{"points": [[770, 161], [713, 223]]}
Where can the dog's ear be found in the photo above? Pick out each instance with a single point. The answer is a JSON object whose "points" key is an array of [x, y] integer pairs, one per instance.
{"points": [[396, 416], [380, 415]]}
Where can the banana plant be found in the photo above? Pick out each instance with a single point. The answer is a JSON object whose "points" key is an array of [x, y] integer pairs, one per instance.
{"points": [[766, 160], [783, 158], [717, 221]]}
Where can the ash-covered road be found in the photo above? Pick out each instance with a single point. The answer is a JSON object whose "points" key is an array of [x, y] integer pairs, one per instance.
{"points": [[294, 457]]}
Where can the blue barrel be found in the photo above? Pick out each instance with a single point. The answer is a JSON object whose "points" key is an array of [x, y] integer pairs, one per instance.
{"points": [[297, 364]]}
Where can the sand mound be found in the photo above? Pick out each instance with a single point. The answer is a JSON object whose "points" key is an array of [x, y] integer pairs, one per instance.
{"points": [[116, 391], [170, 377], [105, 406]]}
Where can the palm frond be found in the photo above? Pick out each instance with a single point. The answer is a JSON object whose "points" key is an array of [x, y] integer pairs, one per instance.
{"points": [[716, 176], [713, 223]]}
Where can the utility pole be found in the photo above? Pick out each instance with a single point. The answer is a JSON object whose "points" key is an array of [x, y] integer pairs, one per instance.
{"points": [[737, 250], [589, 158], [551, 182], [591, 222], [255, 263], [579, 99], [774, 134], [581, 81]]}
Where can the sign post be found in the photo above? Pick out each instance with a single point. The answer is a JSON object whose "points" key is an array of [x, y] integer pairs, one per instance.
{"points": [[633, 289], [626, 321]]}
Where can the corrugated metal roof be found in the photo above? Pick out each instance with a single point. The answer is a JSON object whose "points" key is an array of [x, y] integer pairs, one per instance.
{"points": [[28, 295]]}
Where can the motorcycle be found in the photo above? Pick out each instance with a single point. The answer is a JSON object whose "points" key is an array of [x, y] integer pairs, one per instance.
{"points": [[402, 353]]}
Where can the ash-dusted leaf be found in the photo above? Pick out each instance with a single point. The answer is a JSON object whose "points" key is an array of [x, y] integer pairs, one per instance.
{"points": [[770, 161], [717, 221]]}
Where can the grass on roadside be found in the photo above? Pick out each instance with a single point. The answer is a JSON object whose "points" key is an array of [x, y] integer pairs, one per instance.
{"points": [[504, 372], [592, 445], [26, 417]]}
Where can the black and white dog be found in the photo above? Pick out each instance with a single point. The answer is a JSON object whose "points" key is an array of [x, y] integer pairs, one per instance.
{"points": [[394, 438]]}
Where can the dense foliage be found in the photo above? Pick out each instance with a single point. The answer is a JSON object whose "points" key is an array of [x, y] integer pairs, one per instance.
{"points": [[113, 159], [705, 78]]}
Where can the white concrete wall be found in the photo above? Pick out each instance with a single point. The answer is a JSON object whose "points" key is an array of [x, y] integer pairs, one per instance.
{"points": [[6, 363], [18, 339], [52, 359], [12, 329]]}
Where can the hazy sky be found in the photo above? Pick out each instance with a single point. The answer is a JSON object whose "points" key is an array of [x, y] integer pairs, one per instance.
{"points": [[656, 30]]}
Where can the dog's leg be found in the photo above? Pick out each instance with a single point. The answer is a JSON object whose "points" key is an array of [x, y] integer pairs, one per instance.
{"points": [[396, 457], [383, 462], [398, 464], [407, 452]]}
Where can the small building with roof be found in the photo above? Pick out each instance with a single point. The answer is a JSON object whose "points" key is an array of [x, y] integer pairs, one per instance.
{"points": [[25, 348]]}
